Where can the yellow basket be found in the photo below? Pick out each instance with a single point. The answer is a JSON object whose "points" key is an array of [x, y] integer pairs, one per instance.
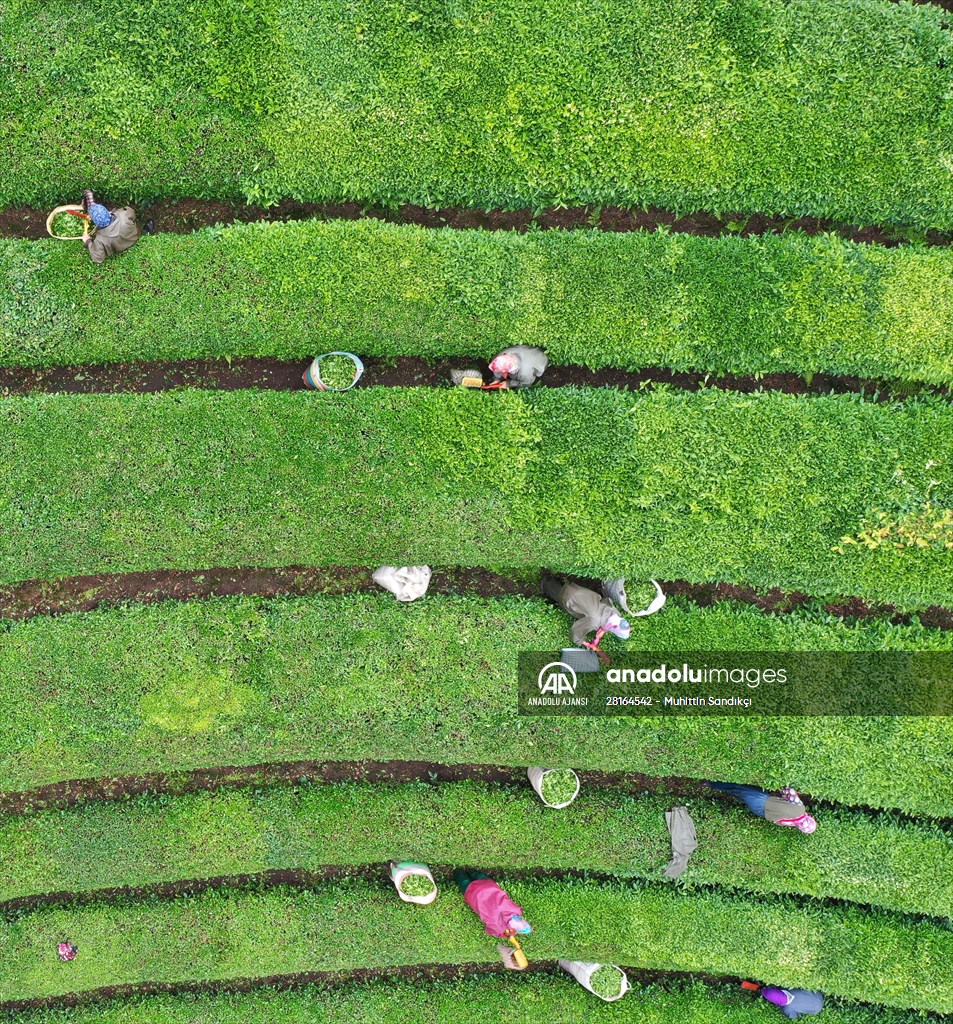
{"points": [[77, 211]]}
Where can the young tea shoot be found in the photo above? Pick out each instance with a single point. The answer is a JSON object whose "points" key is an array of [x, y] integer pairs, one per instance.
{"points": [[67, 225], [416, 885], [606, 981], [559, 786], [640, 594], [337, 372]]}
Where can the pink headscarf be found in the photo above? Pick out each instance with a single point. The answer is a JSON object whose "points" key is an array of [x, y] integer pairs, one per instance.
{"points": [[505, 362]]}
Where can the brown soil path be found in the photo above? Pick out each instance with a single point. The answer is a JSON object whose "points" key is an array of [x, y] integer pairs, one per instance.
{"points": [[412, 371], [77, 792], [417, 973], [86, 593], [182, 216]]}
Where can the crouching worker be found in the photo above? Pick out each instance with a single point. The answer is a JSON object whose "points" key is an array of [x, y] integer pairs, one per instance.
{"points": [[519, 366], [591, 611], [786, 809], [502, 918], [794, 1002], [115, 232]]}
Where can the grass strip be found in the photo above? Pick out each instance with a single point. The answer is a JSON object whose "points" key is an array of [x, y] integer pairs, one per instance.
{"points": [[530, 999], [855, 954], [751, 105], [757, 489], [881, 861], [723, 305], [174, 686]]}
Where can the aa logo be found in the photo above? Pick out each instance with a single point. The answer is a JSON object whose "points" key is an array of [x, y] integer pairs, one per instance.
{"points": [[557, 677]]}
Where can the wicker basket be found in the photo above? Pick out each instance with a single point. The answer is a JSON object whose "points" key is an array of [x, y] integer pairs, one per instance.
{"points": [[77, 211]]}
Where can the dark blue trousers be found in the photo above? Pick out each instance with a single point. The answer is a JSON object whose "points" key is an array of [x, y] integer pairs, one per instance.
{"points": [[753, 797]]}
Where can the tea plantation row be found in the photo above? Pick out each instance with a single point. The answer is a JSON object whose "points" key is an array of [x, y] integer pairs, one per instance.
{"points": [[533, 998], [834, 108], [852, 953], [754, 489], [178, 686], [753, 305], [877, 860]]}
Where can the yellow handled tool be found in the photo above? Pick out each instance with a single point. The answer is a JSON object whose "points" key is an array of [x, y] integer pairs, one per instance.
{"points": [[519, 957]]}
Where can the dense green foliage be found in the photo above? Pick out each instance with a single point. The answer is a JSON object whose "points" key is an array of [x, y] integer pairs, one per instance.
{"points": [[230, 682], [881, 861], [740, 104], [635, 299], [529, 999], [707, 486], [853, 953]]}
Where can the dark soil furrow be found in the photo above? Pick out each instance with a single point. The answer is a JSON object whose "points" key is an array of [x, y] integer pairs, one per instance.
{"points": [[411, 371], [181, 216], [336, 979], [76, 792], [87, 593], [300, 878], [946, 5]]}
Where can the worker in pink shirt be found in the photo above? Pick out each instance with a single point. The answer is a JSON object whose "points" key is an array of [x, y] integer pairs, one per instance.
{"points": [[501, 916]]}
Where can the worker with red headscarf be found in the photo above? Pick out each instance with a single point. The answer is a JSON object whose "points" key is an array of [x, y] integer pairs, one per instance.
{"points": [[519, 366]]}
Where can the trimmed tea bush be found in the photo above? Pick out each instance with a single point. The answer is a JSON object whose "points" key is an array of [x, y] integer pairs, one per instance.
{"points": [[739, 305], [173, 686], [828, 107], [755, 489]]}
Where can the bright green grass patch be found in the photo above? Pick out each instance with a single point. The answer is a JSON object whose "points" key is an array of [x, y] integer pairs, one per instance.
{"points": [[535, 998], [227, 682], [877, 860], [752, 305], [754, 489], [852, 953], [135, 100], [743, 104]]}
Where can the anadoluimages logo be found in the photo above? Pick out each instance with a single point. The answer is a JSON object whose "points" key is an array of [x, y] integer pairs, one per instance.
{"points": [[557, 677]]}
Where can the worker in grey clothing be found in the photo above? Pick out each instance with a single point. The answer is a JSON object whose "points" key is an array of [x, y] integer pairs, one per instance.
{"points": [[519, 366], [794, 1002], [115, 232], [590, 610]]}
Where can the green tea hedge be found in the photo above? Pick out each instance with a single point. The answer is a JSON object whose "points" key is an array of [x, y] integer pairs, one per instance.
{"points": [[743, 104], [880, 861], [856, 954], [741, 305], [173, 686], [527, 1000], [757, 488]]}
